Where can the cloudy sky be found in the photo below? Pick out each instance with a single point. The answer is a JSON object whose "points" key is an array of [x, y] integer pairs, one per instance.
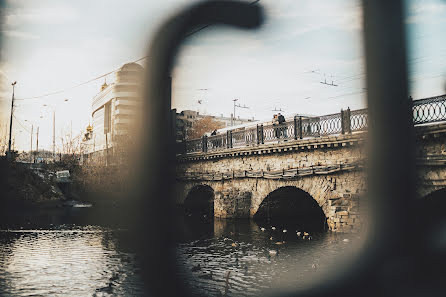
{"points": [[52, 45]]}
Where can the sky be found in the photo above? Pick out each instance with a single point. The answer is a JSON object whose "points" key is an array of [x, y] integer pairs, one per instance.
{"points": [[52, 45]]}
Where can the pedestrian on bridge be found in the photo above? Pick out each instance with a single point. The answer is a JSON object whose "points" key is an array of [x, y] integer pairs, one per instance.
{"points": [[283, 130], [275, 126]]}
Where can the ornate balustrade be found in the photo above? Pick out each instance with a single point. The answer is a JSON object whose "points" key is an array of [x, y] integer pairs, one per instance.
{"points": [[428, 110]]}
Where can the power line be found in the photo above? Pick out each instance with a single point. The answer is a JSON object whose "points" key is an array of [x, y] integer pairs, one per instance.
{"points": [[20, 123], [346, 95], [73, 87], [108, 73]]}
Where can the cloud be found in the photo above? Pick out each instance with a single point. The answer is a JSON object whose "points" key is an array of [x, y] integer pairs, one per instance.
{"points": [[20, 35], [4, 82], [422, 12], [426, 7], [45, 15], [307, 17]]}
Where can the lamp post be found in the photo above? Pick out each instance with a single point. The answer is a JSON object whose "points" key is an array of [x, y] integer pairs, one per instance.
{"points": [[233, 115], [10, 121], [54, 127], [31, 149], [236, 105]]}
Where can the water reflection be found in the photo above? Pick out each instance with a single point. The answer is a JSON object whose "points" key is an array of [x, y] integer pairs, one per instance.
{"points": [[66, 262], [215, 257], [256, 261]]}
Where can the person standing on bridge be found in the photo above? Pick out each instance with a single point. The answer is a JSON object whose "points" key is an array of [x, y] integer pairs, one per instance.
{"points": [[281, 120], [275, 126]]}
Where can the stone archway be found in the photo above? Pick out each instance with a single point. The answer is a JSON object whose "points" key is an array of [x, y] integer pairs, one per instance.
{"points": [[292, 207], [430, 208], [200, 201]]}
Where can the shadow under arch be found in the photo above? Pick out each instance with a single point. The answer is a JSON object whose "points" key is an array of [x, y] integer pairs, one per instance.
{"points": [[199, 202], [430, 208], [291, 207]]}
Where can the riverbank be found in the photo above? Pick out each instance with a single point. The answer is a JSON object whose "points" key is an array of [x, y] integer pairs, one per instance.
{"points": [[23, 187], [29, 191]]}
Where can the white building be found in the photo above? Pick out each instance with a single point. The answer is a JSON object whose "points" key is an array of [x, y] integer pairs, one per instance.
{"points": [[113, 108]]}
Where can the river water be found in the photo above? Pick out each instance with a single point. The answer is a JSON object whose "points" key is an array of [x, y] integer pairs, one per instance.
{"points": [[232, 257], [66, 261]]}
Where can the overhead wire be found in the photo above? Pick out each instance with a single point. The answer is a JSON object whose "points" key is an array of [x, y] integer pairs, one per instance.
{"points": [[72, 87], [20, 123], [110, 72], [344, 79]]}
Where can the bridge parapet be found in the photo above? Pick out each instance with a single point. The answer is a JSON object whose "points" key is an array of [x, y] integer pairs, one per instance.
{"points": [[303, 145], [427, 110]]}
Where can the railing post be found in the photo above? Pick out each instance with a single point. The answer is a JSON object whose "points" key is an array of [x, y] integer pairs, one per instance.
{"points": [[258, 134], [299, 128], [348, 128], [204, 145], [261, 134], [229, 139], [295, 127], [345, 121]]}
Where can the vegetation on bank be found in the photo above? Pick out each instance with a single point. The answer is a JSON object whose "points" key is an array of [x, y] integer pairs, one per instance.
{"points": [[32, 185], [22, 187]]}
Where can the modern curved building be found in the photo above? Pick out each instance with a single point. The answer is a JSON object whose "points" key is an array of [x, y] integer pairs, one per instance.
{"points": [[114, 107]]}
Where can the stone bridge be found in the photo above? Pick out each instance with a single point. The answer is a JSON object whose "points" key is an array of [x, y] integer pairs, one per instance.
{"points": [[325, 172]]}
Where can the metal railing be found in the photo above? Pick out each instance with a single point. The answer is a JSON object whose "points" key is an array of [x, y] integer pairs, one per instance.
{"points": [[428, 110]]}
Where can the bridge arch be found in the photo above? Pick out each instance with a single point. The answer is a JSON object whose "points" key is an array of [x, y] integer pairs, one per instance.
{"points": [[199, 201], [431, 207], [292, 207]]}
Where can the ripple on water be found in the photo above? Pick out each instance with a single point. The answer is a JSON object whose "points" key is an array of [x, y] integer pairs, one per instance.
{"points": [[252, 268], [66, 262]]}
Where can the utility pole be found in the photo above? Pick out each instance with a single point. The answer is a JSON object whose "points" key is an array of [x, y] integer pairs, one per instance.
{"points": [[106, 149], [54, 127], [10, 121], [71, 136], [236, 105], [233, 115], [54, 135], [31, 151], [37, 145]]}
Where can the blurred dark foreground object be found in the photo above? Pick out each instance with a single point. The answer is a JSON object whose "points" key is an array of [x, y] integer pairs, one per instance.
{"points": [[398, 258]]}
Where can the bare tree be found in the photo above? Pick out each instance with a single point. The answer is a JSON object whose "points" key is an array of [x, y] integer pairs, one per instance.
{"points": [[202, 126], [3, 138]]}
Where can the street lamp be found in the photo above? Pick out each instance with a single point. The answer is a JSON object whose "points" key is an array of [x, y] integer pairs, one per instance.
{"points": [[233, 115], [54, 130], [236, 105], [54, 126], [31, 149], [10, 121]]}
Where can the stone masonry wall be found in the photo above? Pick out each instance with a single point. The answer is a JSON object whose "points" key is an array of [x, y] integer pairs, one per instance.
{"points": [[339, 194], [431, 169], [276, 161]]}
